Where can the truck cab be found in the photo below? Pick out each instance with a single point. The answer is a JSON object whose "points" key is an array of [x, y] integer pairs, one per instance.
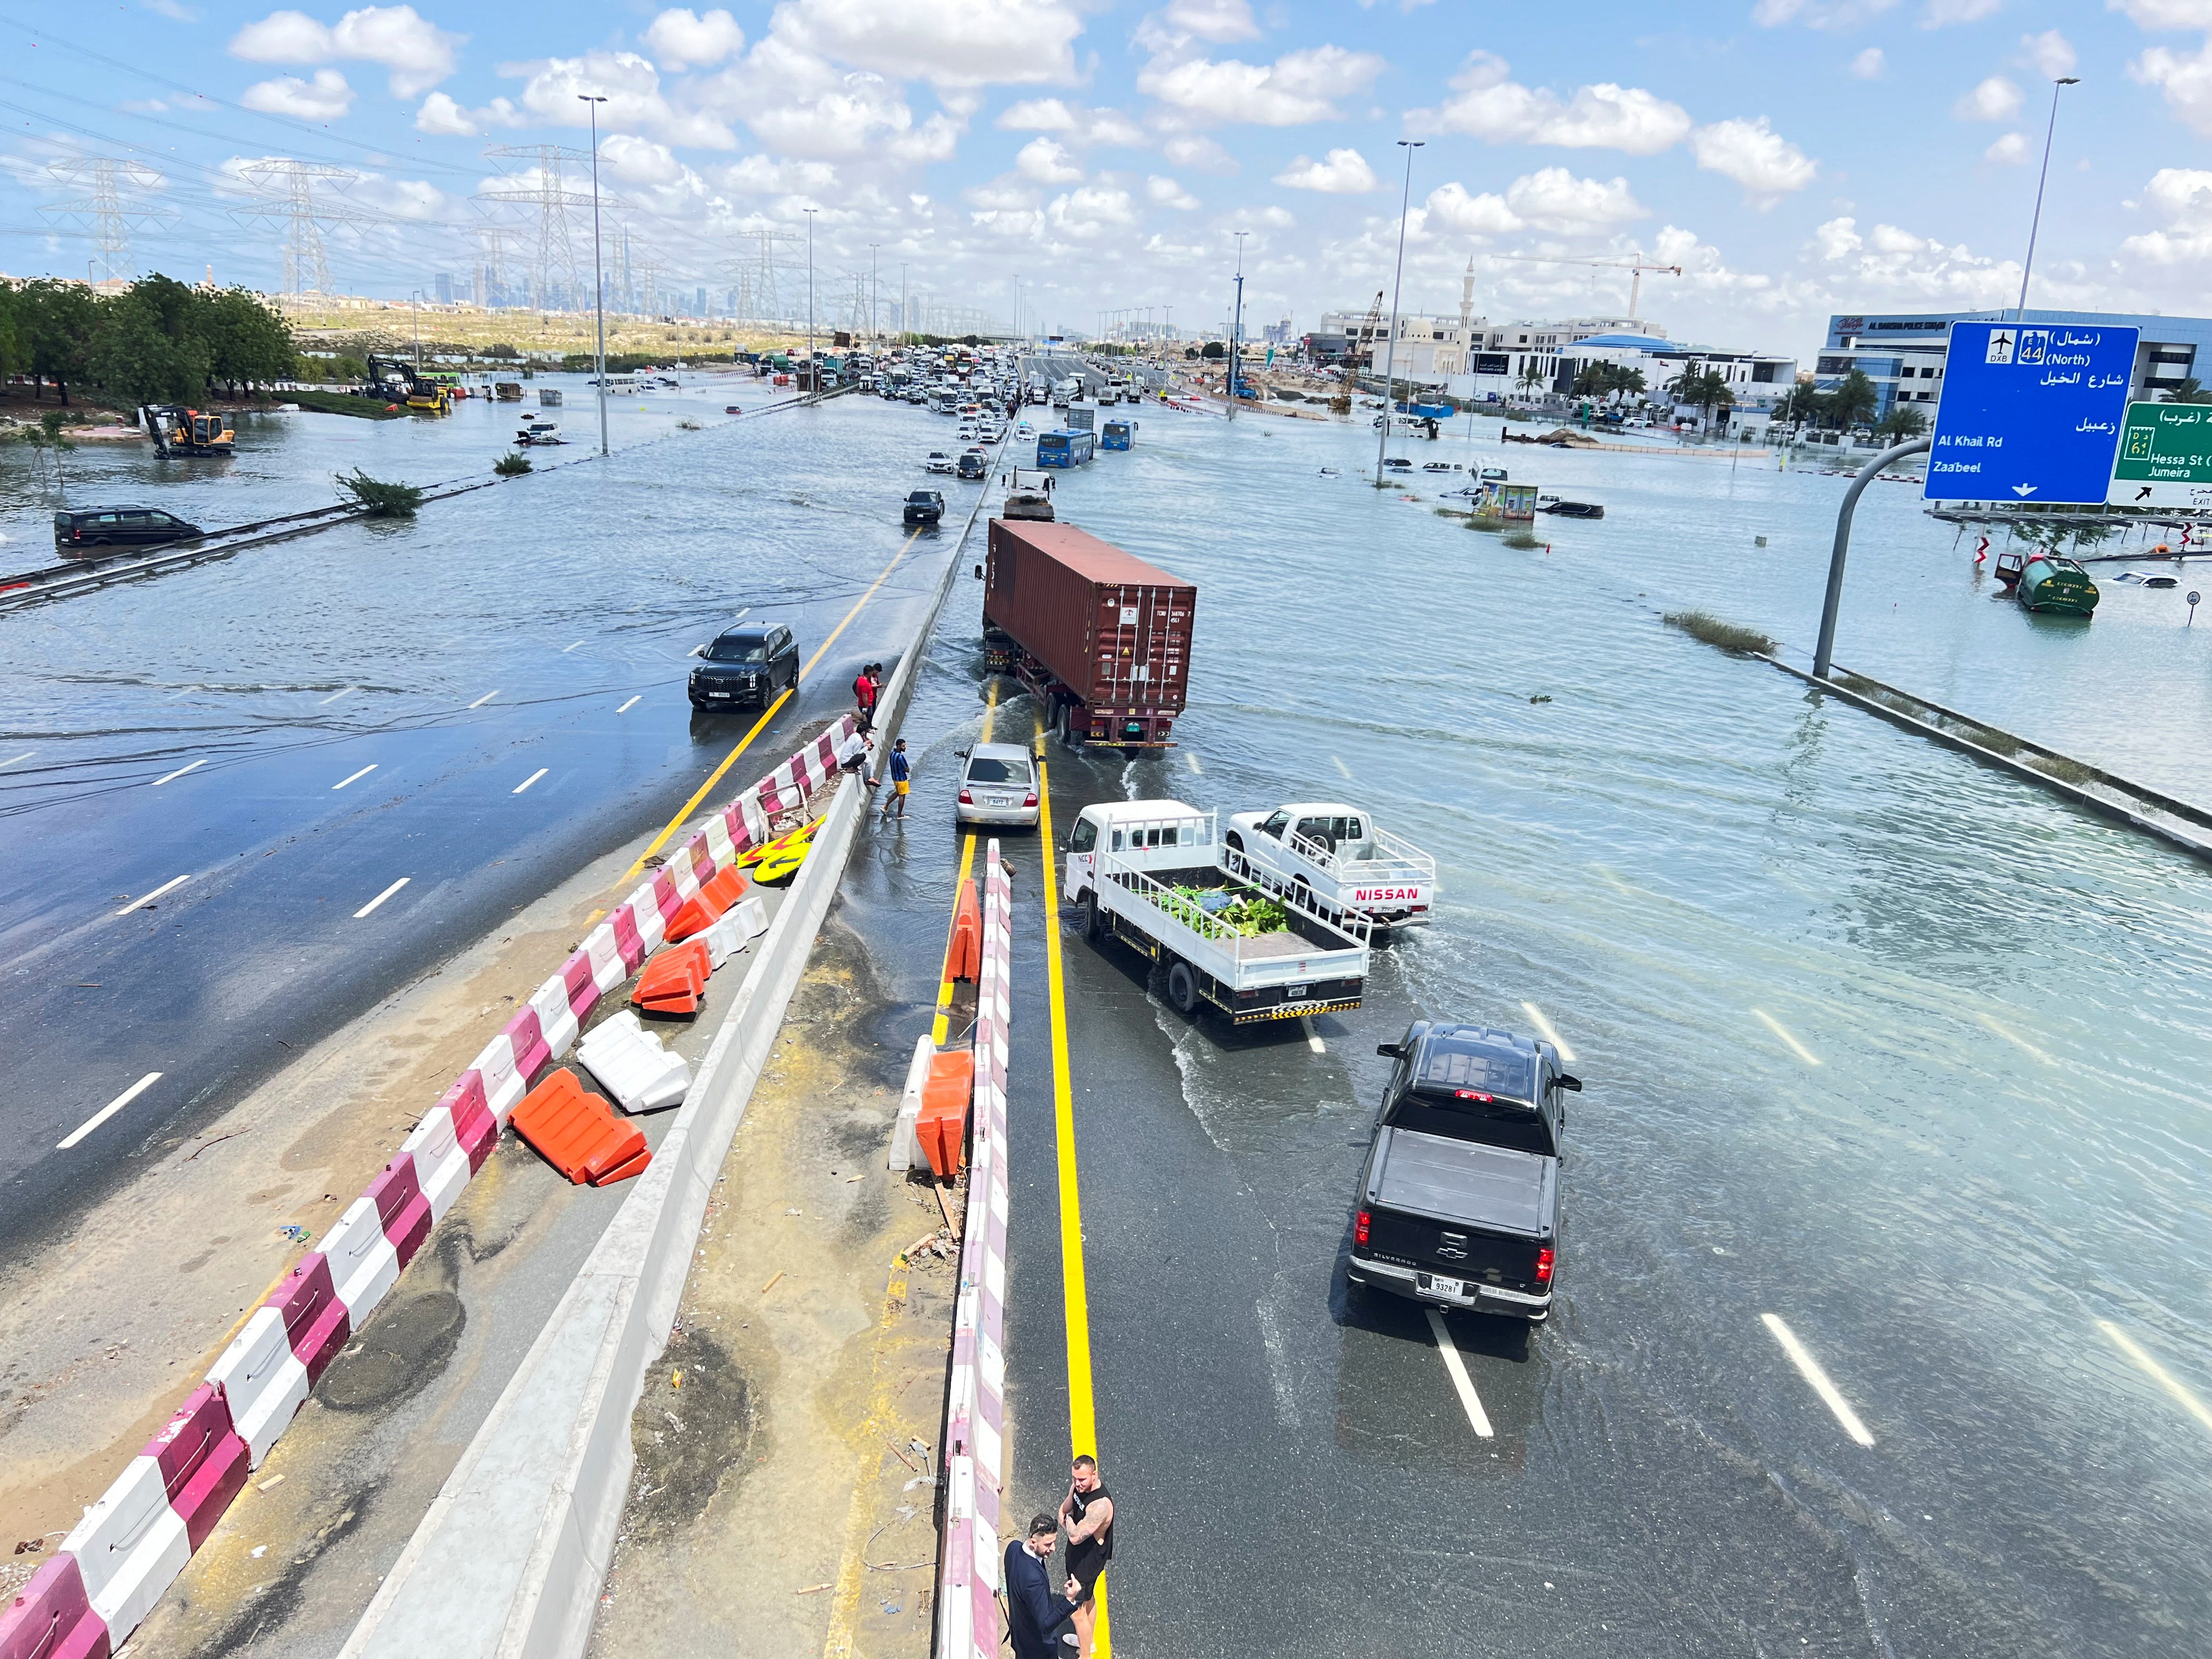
{"points": [[1459, 1202]]}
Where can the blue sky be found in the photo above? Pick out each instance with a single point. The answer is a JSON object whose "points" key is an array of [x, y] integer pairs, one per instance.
{"points": [[1795, 156]]}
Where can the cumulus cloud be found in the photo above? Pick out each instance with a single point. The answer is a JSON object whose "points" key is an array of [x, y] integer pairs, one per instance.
{"points": [[971, 44], [1869, 64], [1165, 192], [1891, 268], [325, 98], [1941, 14], [1340, 172], [2008, 151], [2183, 198], [439, 114], [1818, 13], [680, 39], [1081, 125], [1767, 165], [1995, 100], [1212, 19], [1492, 106], [1196, 150], [1094, 210], [553, 88], [2186, 79], [1297, 88], [2166, 13], [418, 54], [1552, 199], [1047, 162], [2052, 53], [763, 175]]}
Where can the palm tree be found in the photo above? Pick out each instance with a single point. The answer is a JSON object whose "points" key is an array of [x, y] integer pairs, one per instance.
{"points": [[1902, 422], [1531, 377], [1854, 400], [1701, 388], [2188, 391]]}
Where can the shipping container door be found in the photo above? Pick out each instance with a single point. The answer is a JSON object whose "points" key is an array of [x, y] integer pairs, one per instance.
{"points": [[1140, 657]]}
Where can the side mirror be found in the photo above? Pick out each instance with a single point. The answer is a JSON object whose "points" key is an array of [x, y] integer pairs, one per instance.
{"points": [[1572, 1085], [1391, 1050], [695, 650], [962, 753]]}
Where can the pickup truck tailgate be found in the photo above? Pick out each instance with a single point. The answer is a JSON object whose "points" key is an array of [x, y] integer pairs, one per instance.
{"points": [[1484, 1187]]}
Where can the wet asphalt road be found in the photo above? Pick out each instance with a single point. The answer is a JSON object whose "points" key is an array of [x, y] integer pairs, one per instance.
{"points": [[511, 665]]}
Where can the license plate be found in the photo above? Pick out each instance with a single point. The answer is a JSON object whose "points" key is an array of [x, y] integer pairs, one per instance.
{"points": [[721, 694], [1297, 993], [1444, 1286]]}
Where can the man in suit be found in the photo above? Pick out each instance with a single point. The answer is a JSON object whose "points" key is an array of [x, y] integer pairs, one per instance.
{"points": [[1033, 1611]]}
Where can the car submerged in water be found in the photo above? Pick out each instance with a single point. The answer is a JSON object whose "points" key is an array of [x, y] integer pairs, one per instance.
{"points": [[745, 666], [76, 528]]}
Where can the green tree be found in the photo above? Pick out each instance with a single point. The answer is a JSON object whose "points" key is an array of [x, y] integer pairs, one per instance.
{"points": [[55, 322], [1531, 377], [1214, 351], [2188, 391], [1854, 400], [1594, 379], [1702, 389], [151, 342], [248, 341], [1805, 403], [1902, 422]]}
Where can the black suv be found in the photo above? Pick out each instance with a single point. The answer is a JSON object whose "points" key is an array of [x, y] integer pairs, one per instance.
{"points": [[746, 664], [119, 526], [924, 506]]}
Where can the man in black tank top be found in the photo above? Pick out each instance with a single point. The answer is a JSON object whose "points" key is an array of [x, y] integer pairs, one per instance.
{"points": [[1087, 1512]]}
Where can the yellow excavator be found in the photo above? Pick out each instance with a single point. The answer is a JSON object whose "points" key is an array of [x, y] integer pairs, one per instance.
{"points": [[177, 430], [389, 378]]}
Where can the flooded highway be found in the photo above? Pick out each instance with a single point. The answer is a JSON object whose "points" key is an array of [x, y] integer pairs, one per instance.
{"points": [[1894, 1074]]}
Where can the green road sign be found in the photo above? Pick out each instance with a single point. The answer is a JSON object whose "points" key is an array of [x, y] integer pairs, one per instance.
{"points": [[2164, 458]]}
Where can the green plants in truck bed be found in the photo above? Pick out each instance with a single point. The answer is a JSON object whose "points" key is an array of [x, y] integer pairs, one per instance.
{"points": [[1248, 916]]}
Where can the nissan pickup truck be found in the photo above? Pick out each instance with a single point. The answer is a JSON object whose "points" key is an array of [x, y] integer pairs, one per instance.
{"points": [[1336, 853], [1459, 1203]]}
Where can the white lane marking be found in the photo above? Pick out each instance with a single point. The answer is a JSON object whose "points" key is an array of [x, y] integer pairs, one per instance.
{"points": [[2015, 1039], [381, 896], [165, 887], [531, 779], [1278, 1369], [1796, 1047], [1457, 1367], [566, 649], [1551, 1035], [1340, 766], [1191, 754], [742, 615], [186, 691], [335, 696], [108, 1110], [2157, 1373], [631, 704], [179, 772], [1809, 1368], [356, 777], [486, 698], [12, 759], [1313, 1037]]}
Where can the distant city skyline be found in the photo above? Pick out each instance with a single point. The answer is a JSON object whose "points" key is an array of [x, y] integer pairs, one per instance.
{"points": [[1796, 157]]}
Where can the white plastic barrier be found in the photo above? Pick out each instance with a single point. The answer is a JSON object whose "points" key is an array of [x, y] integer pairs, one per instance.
{"points": [[645, 915], [504, 1086], [264, 1381], [633, 1066], [601, 947], [556, 1021], [440, 1162], [906, 1150], [719, 843], [364, 1263], [131, 1547], [742, 923]]}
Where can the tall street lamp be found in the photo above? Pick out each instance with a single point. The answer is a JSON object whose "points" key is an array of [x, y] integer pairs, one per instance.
{"points": [[599, 280], [2020, 312], [813, 374], [1390, 353], [1237, 326], [414, 304]]}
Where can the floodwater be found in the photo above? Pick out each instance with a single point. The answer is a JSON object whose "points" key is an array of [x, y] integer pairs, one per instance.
{"points": [[1894, 1048]]}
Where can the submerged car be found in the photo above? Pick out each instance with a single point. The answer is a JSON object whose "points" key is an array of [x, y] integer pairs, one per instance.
{"points": [[924, 506], [119, 526], [745, 666], [999, 787]]}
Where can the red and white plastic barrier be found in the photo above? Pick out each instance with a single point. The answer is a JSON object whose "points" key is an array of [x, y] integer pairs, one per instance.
{"points": [[131, 1545], [976, 1403]]}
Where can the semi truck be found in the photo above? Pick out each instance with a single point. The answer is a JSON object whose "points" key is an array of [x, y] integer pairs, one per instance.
{"points": [[1101, 638], [1151, 873]]}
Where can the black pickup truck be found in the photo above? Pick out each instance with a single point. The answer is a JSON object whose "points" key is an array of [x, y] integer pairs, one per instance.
{"points": [[1458, 1204]]}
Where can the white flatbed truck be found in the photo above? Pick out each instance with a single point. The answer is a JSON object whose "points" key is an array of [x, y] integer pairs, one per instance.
{"points": [[1148, 872], [1336, 853]]}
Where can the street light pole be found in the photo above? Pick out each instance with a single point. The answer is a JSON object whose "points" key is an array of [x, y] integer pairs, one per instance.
{"points": [[598, 279], [2035, 224], [1237, 326], [813, 373], [1397, 282], [875, 316], [413, 298]]}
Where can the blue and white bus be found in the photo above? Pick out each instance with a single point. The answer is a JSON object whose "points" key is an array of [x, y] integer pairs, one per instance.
{"points": [[1118, 435], [1066, 448]]}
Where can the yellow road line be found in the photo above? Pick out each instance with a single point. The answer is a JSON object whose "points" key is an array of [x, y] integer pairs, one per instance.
{"points": [[1082, 1415], [766, 715]]}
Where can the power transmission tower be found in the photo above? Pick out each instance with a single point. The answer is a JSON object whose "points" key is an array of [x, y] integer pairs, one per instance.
{"points": [[112, 208], [288, 190], [546, 191], [759, 296]]}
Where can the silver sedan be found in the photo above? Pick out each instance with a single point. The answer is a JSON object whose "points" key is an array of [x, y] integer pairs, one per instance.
{"points": [[999, 786]]}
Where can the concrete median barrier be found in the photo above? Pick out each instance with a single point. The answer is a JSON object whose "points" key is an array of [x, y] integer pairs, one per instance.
{"points": [[264, 1381], [51, 1617]]}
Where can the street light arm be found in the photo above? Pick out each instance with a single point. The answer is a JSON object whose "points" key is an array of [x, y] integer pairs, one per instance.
{"points": [[1824, 651]]}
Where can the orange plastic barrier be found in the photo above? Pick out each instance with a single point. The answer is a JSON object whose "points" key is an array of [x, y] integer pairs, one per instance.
{"points": [[941, 1125], [704, 910], [674, 981], [577, 1134], [963, 956]]}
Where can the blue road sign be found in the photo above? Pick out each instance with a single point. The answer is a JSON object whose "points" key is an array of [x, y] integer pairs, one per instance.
{"points": [[2030, 414]]}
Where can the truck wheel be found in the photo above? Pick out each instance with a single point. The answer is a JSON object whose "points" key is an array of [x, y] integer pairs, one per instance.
{"points": [[1182, 989], [1068, 734], [1234, 841], [1091, 930]]}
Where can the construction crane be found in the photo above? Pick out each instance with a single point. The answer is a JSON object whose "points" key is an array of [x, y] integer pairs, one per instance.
{"points": [[1634, 264], [1355, 359]]}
